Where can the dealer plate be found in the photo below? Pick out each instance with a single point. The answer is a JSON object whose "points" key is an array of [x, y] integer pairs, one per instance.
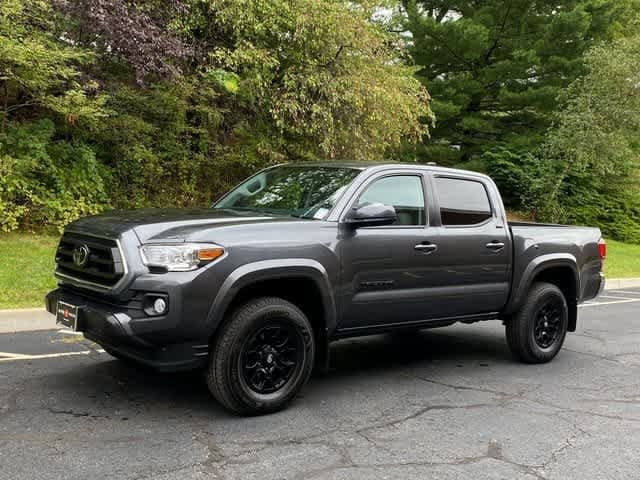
{"points": [[67, 315]]}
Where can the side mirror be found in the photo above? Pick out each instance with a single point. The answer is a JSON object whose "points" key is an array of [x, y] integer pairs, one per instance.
{"points": [[371, 215]]}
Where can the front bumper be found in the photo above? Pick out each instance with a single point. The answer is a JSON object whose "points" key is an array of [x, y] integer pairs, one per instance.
{"points": [[124, 328]]}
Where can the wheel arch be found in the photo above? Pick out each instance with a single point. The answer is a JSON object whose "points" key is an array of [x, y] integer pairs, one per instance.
{"points": [[303, 282], [560, 270]]}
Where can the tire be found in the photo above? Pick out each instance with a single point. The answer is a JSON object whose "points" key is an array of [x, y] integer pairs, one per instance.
{"points": [[250, 367], [535, 334]]}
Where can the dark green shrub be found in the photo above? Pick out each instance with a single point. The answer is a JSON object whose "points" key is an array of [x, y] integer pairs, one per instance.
{"points": [[47, 182]]}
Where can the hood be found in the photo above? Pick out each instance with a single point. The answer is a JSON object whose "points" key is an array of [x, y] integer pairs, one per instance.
{"points": [[175, 225]]}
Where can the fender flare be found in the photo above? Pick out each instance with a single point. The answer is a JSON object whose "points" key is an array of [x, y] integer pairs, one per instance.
{"points": [[250, 273], [535, 267]]}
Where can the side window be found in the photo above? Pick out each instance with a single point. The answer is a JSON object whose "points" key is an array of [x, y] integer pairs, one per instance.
{"points": [[403, 192], [462, 202]]}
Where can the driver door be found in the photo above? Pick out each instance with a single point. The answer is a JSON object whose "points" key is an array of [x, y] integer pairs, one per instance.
{"points": [[387, 270]]}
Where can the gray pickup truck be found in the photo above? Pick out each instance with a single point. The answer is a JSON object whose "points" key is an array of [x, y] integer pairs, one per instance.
{"points": [[256, 287]]}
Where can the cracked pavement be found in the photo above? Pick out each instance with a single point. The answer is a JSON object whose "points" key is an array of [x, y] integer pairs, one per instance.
{"points": [[443, 403]]}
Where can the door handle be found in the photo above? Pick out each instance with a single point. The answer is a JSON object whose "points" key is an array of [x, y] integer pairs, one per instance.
{"points": [[426, 247], [495, 246]]}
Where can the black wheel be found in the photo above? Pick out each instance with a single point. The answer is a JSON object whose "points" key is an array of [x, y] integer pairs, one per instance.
{"points": [[262, 357], [537, 331]]}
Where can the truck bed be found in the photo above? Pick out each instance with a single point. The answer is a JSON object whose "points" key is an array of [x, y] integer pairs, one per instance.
{"points": [[532, 242]]}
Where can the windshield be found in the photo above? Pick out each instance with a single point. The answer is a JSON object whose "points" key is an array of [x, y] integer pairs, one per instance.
{"points": [[299, 191]]}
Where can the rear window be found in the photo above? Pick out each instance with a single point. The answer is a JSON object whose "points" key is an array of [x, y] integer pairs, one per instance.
{"points": [[462, 202]]}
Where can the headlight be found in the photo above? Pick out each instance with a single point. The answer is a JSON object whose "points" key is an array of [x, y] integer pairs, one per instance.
{"points": [[180, 257]]}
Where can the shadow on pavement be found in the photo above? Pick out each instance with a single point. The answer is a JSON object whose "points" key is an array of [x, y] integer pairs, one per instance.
{"points": [[110, 384]]}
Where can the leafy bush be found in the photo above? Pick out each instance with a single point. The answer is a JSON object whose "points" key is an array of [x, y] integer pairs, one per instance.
{"points": [[523, 179], [46, 182], [611, 203]]}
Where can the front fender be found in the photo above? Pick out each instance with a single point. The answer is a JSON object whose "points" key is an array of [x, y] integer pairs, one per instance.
{"points": [[522, 285], [269, 270]]}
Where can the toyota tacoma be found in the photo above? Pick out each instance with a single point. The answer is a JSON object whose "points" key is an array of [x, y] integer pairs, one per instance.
{"points": [[256, 287]]}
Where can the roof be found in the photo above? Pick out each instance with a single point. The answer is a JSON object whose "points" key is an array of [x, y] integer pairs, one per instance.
{"points": [[356, 165], [365, 165]]}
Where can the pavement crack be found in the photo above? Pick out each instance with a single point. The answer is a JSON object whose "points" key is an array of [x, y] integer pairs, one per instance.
{"points": [[523, 395], [374, 442], [73, 413], [217, 460], [213, 451], [588, 334], [565, 446], [418, 413], [503, 397], [466, 387], [562, 409], [244, 458]]}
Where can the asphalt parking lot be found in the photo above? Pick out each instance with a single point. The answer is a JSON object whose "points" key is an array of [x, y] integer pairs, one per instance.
{"points": [[444, 403]]}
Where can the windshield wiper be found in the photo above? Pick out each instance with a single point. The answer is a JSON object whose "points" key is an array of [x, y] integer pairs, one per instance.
{"points": [[271, 211], [249, 209]]}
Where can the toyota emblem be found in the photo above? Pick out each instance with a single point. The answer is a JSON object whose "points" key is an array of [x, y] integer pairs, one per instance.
{"points": [[81, 256]]}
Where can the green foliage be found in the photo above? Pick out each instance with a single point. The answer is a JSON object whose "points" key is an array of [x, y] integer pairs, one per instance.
{"points": [[502, 72], [45, 179], [524, 180], [46, 182], [496, 68], [163, 145], [202, 93], [594, 146], [318, 75], [38, 70]]}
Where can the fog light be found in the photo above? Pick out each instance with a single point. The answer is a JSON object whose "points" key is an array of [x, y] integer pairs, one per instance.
{"points": [[159, 305]]}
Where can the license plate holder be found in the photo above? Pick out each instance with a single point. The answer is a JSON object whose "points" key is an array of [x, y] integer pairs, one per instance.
{"points": [[67, 315]]}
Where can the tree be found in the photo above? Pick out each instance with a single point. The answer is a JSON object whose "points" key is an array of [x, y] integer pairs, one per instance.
{"points": [[39, 71], [594, 149], [318, 76], [46, 175], [496, 68], [139, 33]]}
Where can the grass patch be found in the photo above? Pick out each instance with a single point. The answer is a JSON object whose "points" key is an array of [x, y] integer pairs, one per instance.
{"points": [[27, 262], [623, 260], [26, 269]]}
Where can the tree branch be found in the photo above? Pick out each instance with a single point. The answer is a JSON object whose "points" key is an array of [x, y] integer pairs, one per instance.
{"points": [[498, 34], [16, 107], [335, 58]]}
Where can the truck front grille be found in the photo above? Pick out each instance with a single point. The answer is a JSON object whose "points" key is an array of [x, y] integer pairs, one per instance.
{"points": [[89, 261]]}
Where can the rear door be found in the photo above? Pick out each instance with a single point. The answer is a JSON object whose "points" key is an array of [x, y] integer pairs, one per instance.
{"points": [[474, 248]]}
